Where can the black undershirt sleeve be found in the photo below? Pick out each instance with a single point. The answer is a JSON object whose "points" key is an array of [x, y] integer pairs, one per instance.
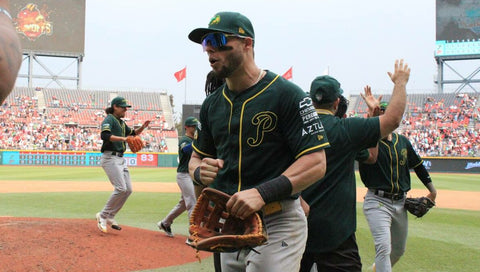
{"points": [[422, 174], [105, 135]]}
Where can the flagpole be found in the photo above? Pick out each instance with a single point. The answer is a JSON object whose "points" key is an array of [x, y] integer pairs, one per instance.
{"points": [[185, 99]]}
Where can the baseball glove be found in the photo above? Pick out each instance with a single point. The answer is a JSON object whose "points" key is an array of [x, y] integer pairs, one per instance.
{"points": [[213, 229], [135, 143], [418, 206]]}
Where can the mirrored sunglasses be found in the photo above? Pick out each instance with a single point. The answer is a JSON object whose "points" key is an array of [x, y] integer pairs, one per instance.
{"points": [[217, 40]]}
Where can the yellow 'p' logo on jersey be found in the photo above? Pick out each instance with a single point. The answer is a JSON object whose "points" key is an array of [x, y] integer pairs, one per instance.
{"points": [[265, 122]]}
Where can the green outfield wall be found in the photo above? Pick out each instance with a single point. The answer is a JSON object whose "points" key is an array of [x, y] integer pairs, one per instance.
{"points": [[83, 158], [152, 159], [450, 165]]}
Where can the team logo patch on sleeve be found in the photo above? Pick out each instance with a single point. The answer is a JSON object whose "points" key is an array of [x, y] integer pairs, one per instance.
{"points": [[307, 111], [106, 127], [310, 119]]}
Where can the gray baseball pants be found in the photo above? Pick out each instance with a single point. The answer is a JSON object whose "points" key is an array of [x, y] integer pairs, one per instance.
{"points": [[388, 222], [187, 200], [117, 171], [287, 238]]}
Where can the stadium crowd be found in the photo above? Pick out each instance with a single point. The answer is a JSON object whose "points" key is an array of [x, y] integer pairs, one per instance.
{"points": [[439, 130], [435, 127], [24, 127]]}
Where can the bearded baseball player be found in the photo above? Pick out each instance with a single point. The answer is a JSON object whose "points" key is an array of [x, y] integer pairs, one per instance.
{"points": [[331, 243], [261, 142]]}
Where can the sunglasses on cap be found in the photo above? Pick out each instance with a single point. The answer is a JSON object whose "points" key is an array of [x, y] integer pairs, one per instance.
{"points": [[217, 40]]}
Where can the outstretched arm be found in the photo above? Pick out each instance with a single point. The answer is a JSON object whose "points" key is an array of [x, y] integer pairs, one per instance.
{"points": [[144, 126], [394, 113], [373, 110], [373, 103]]}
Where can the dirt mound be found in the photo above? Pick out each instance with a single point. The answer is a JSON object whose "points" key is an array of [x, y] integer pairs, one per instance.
{"points": [[43, 244]]}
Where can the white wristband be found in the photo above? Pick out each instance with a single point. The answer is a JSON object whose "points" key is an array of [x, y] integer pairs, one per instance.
{"points": [[4, 11]]}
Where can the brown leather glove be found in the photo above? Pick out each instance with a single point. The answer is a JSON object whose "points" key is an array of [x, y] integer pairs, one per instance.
{"points": [[135, 143], [213, 229]]}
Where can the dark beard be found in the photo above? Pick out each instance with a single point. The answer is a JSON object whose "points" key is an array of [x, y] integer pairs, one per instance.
{"points": [[234, 60]]}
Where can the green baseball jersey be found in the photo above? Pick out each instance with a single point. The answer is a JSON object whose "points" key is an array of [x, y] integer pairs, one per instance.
{"points": [[391, 172], [362, 155], [332, 199], [184, 153], [118, 128], [259, 132]]}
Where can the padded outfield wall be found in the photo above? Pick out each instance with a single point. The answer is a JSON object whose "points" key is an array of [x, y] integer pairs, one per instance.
{"points": [[462, 165], [465, 165], [83, 158], [153, 159]]}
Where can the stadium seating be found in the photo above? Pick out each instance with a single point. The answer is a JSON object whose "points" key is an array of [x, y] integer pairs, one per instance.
{"points": [[57, 119], [54, 119], [437, 124]]}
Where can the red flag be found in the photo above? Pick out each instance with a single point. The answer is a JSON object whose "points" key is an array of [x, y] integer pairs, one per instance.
{"points": [[180, 75], [288, 74]]}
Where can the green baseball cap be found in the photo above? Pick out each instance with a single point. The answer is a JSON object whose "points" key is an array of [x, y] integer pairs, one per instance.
{"points": [[225, 22], [191, 121], [325, 89], [120, 101], [383, 105]]}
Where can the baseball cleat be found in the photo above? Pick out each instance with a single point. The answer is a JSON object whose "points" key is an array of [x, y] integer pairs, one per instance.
{"points": [[167, 230], [101, 223], [113, 224]]}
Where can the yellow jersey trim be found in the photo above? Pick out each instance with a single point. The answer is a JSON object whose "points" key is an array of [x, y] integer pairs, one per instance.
{"points": [[324, 111], [200, 152], [310, 149], [123, 130], [231, 108], [241, 130]]}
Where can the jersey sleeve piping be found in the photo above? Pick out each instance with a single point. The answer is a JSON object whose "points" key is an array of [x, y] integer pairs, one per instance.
{"points": [[421, 161], [200, 152], [311, 148]]}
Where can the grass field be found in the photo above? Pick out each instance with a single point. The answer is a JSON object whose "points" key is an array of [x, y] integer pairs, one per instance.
{"points": [[445, 240]]}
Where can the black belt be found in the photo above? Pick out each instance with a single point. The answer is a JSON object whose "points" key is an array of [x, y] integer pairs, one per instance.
{"points": [[115, 153], [388, 195]]}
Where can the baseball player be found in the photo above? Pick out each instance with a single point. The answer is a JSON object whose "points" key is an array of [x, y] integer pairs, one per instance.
{"points": [[187, 200], [260, 142], [114, 132], [10, 52], [212, 84], [388, 180], [331, 243]]}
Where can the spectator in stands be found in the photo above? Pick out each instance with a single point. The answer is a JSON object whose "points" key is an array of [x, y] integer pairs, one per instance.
{"points": [[10, 52]]}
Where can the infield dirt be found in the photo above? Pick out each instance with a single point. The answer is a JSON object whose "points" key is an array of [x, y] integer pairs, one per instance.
{"points": [[43, 244]]}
